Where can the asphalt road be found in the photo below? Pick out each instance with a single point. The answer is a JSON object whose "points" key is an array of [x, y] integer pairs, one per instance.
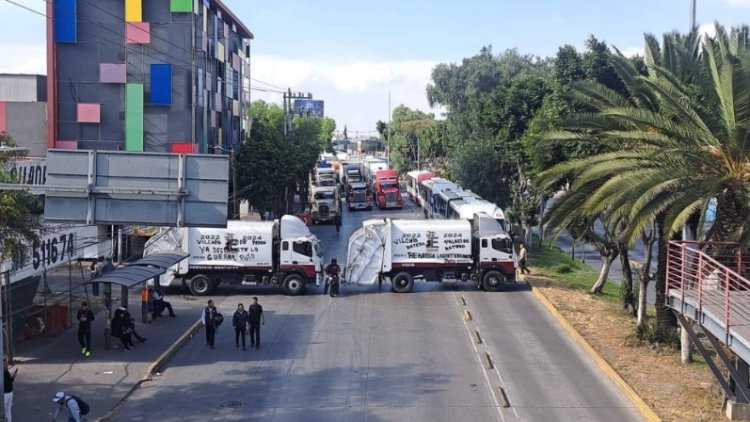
{"points": [[381, 356]]}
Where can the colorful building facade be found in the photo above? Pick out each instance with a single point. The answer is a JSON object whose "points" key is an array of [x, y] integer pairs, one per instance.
{"points": [[147, 75]]}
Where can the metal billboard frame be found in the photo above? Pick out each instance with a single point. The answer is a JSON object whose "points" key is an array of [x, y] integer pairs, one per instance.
{"points": [[118, 187]]}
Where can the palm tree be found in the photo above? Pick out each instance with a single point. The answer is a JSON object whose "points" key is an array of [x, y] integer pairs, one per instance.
{"points": [[678, 139]]}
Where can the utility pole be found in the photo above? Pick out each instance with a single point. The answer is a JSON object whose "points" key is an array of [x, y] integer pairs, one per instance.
{"points": [[388, 130], [692, 14], [288, 97]]}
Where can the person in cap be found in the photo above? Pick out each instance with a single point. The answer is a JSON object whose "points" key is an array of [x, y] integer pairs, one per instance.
{"points": [[67, 403]]}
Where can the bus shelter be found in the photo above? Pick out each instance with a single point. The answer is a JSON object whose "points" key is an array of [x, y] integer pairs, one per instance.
{"points": [[132, 276]]}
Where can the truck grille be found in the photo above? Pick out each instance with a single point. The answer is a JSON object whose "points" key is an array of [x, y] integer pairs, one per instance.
{"points": [[324, 210], [359, 197], [392, 197]]}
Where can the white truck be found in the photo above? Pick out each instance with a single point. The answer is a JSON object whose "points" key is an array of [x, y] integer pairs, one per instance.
{"points": [[281, 252], [431, 250], [325, 204]]}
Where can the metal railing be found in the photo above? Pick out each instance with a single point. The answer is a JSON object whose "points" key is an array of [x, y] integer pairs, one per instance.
{"points": [[712, 275]]}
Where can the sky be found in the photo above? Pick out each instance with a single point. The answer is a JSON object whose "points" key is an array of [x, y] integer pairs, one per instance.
{"points": [[354, 54]]}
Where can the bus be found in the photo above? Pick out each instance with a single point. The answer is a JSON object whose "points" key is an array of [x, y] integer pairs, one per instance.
{"points": [[413, 179], [430, 189], [444, 199], [466, 208]]}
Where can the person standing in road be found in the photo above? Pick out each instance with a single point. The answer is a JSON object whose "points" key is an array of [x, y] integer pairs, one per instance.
{"points": [[239, 322], [85, 316], [522, 256], [8, 385], [255, 318], [209, 317]]}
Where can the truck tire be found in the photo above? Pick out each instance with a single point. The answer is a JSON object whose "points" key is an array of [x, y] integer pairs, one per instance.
{"points": [[200, 285], [294, 285], [402, 283], [493, 281]]}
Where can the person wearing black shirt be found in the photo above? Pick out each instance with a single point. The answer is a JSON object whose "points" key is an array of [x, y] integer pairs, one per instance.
{"points": [[209, 319], [239, 322], [255, 318], [85, 316], [8, 384]]}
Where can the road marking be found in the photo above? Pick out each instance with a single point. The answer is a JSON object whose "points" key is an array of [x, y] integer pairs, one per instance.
{"points": [[500, 391], [487, 360], [624, 387], [478, 337], [485, 374], [467, 315], [463, 300]]}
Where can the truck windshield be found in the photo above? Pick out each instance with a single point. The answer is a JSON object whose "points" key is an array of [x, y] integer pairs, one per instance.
{"points": [[389, 184], [324, 195], [303, 248]]}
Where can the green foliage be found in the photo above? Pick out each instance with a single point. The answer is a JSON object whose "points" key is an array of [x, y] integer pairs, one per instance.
{"points": [[19, 210], [272, 166]]}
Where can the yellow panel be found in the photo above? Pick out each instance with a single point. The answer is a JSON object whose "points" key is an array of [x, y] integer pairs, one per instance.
{"points": [[205, 19], [133, 10], [220, 52]]}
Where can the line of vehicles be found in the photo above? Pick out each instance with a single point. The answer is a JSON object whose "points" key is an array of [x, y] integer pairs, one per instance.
{"points": [[463, 238]]}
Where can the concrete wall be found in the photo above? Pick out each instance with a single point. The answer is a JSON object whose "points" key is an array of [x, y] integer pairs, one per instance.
{"points": [[23, 88], [26, 124]]}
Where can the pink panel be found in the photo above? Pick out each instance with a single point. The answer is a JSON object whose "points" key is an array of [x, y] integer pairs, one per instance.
{"points": [[112, 73], [204, 41], [226, 31], [88, 113], [63, 144], [213, 118], [235, 62], [137, 33], [3, 118]]}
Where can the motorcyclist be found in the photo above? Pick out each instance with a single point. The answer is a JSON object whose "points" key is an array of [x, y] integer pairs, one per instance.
{"points": [[333, 270]]}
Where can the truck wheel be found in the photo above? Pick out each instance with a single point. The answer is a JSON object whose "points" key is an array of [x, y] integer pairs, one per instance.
{"points": [[493, 281], [200, 285], [294, 285], [402, 283]]}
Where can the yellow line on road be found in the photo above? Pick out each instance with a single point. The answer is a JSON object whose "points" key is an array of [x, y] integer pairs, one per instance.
{"points": [[467, 315], [626, 389]]}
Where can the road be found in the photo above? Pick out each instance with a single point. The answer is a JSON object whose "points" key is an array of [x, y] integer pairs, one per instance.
{"points": [[374, 356]]}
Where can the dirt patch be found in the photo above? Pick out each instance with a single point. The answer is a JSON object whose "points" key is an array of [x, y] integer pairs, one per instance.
{"points": [[674, 391]]}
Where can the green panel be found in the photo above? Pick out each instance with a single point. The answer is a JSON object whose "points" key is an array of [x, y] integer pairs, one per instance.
{"points": [[177, 6], [134, 117]]}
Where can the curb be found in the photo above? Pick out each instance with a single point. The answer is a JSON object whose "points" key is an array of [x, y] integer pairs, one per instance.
{"points": [[164, 357], [645, 411]]}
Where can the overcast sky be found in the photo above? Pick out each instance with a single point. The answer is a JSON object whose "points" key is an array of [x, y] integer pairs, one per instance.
{"points": [[353, 53]]}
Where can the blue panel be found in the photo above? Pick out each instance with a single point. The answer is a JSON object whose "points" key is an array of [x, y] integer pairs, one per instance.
{"points": [[65, 21], [161, 84]]}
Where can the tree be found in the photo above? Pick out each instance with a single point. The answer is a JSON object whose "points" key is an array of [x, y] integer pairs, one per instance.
{"points": [[271, 166], [681, 140], [19, 210]]}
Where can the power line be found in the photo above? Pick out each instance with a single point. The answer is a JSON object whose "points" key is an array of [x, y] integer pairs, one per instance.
{"points": [[271, 85]]}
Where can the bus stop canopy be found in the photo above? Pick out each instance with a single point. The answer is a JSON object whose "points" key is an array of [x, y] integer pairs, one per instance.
{"points": [[141, 271], [129, 276], [162, 260]]}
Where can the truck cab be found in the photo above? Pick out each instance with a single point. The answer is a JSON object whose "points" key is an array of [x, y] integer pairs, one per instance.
{"points": [[325, 203], [359, 197], [387, 192]]}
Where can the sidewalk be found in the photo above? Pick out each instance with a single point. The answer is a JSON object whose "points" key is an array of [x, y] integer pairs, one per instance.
{"points": [[104, 379]]}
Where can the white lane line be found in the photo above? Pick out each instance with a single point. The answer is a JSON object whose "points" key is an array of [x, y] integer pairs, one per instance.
{"points": [[498, 407]]}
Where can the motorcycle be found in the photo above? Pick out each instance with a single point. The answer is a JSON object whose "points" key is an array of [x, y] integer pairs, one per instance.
{"points": [[332, 285]]}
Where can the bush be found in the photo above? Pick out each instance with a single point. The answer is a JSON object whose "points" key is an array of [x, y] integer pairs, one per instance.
{"points": [[564, 269]]}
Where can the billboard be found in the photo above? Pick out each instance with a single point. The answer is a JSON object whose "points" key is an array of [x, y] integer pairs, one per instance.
{"points": [[307, 107]]}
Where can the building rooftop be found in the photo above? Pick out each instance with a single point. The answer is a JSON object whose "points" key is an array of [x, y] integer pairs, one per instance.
{"points": [[241, 28]]}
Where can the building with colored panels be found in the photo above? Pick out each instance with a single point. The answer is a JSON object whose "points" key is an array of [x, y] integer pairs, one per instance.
{"points": [[146, 75]]}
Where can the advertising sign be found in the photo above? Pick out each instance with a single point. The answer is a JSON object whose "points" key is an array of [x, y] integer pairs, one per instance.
{"points": [[307, 107]]}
